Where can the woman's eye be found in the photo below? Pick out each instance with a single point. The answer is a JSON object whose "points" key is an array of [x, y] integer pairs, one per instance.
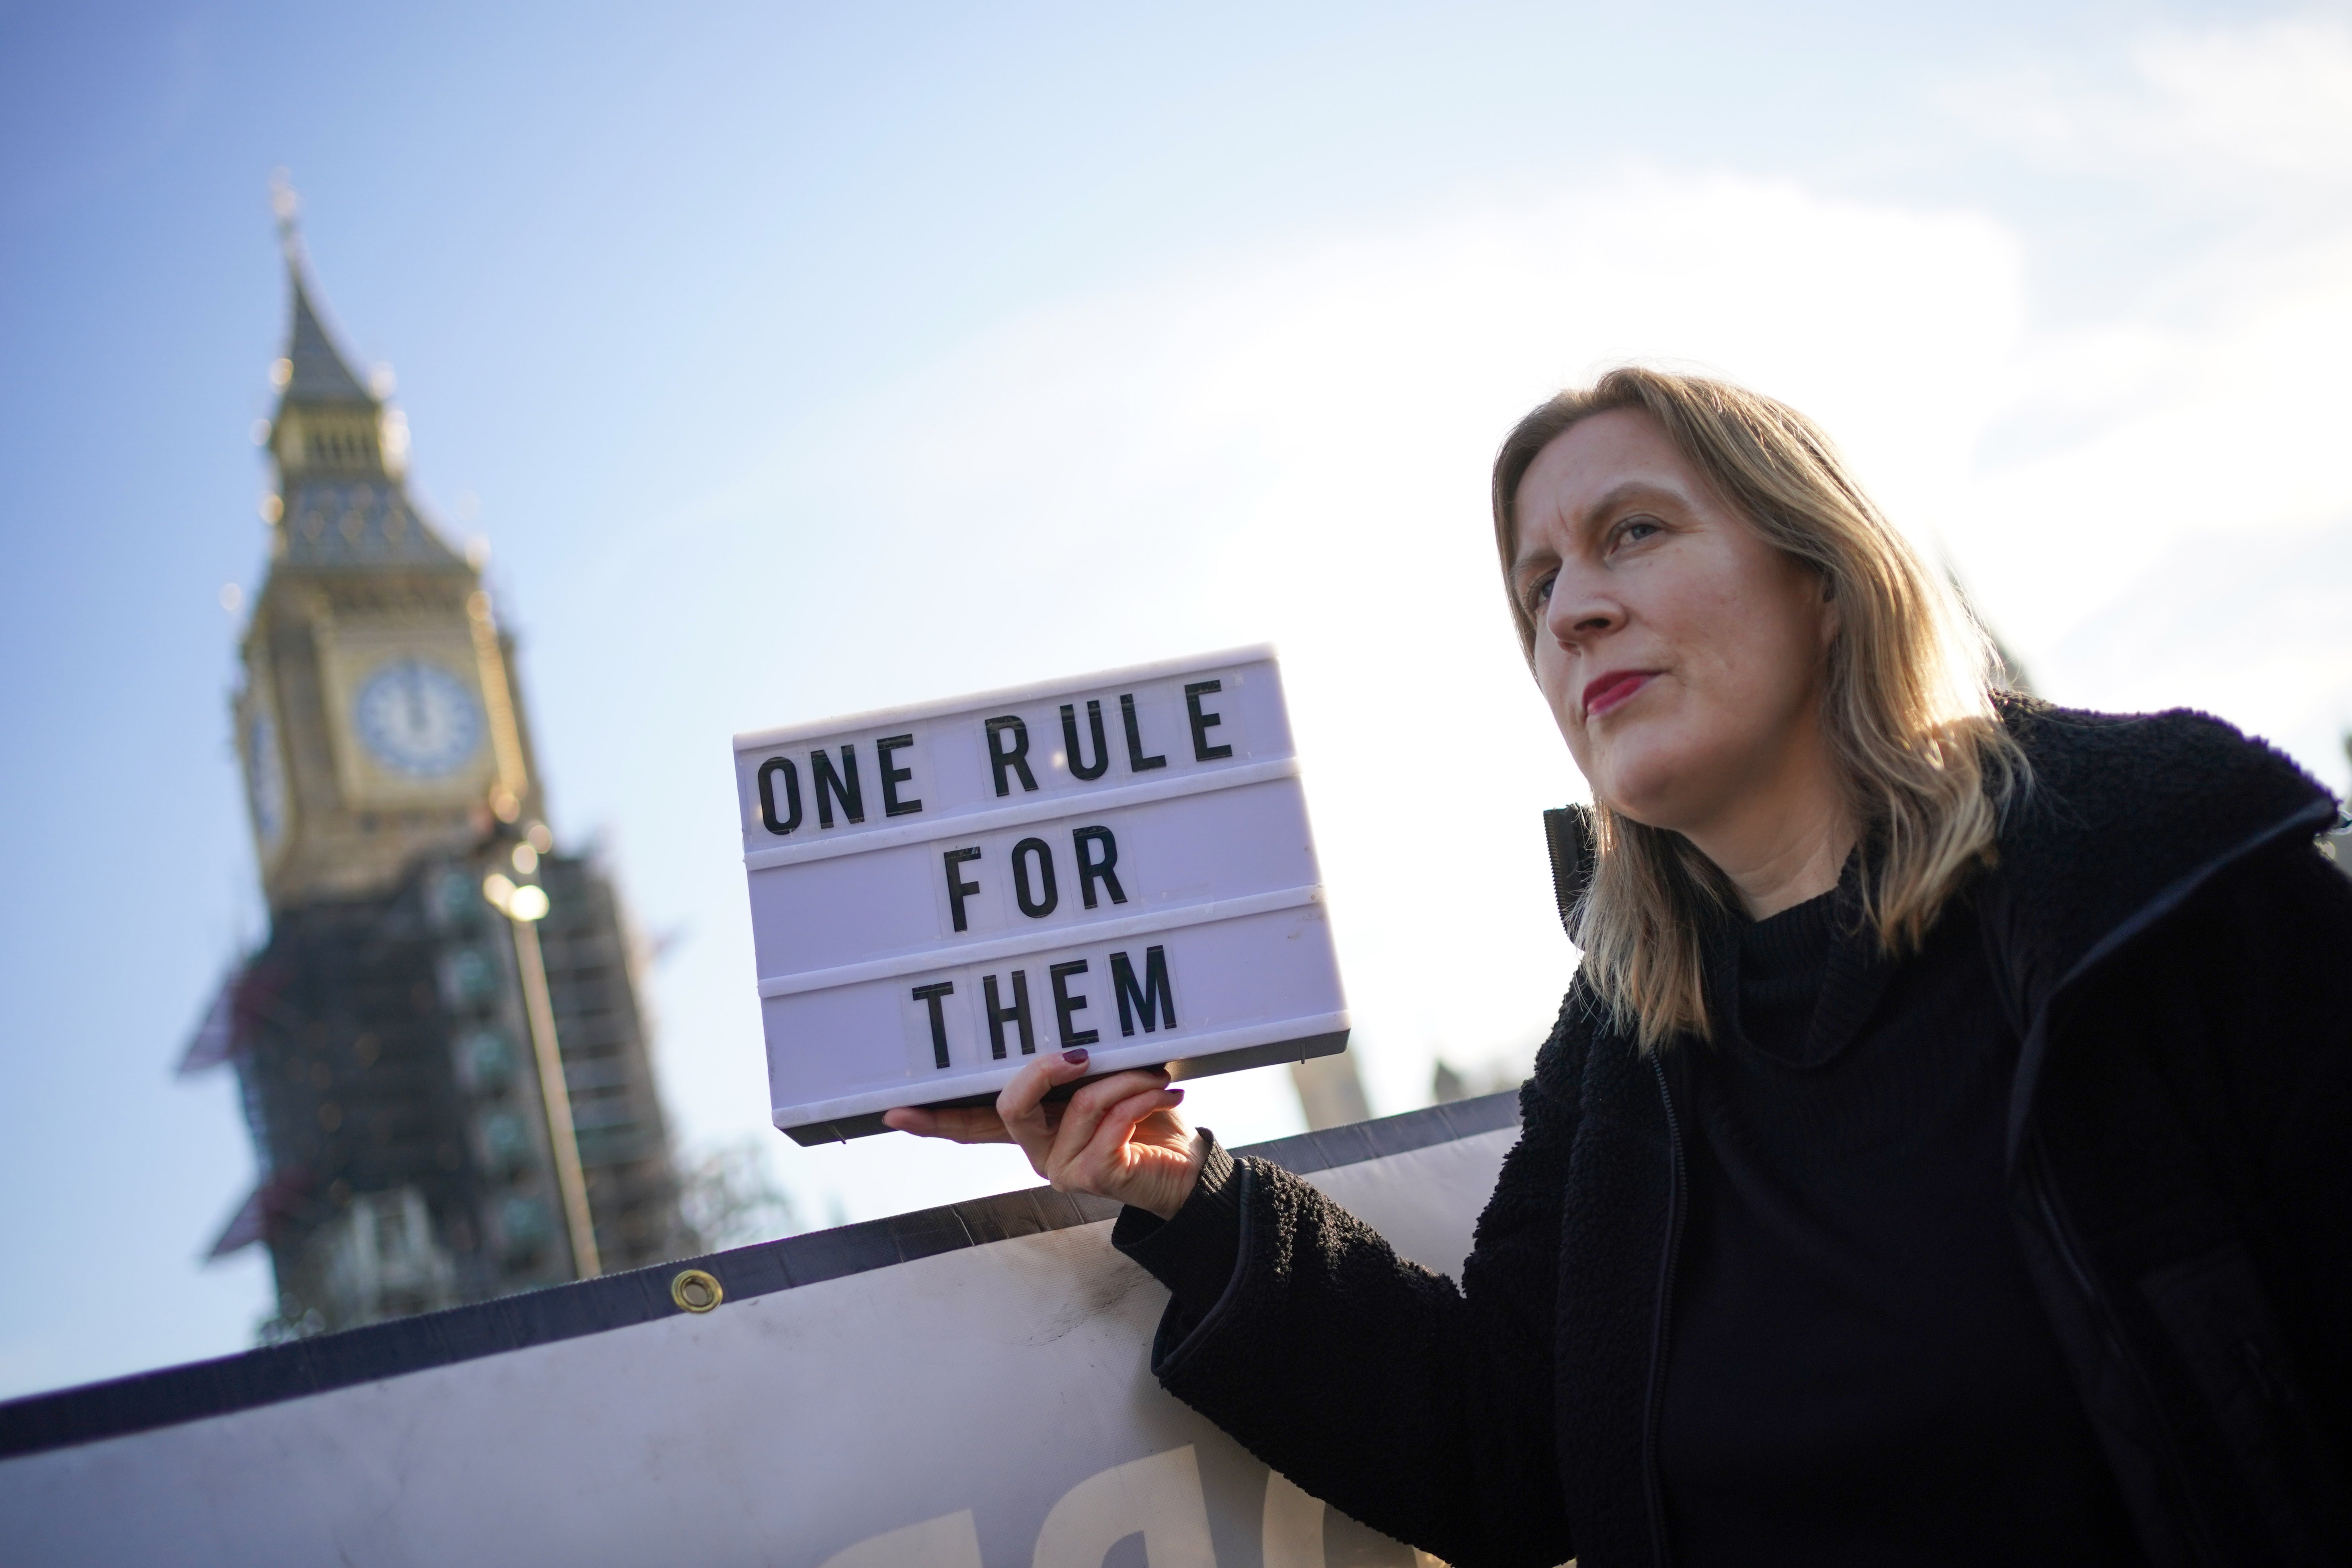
{"points": [[1540, 590], [1634, 529]]}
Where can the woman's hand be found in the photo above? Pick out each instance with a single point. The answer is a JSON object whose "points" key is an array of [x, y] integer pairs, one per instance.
{"points": [[1118, 1138]]}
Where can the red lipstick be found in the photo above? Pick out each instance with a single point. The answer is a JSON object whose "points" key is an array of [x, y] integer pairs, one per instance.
{"points": [[1613, 689]]}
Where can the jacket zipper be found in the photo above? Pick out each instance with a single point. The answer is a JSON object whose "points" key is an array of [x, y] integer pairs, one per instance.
{"points": [[2035, 1162], [1658, 1328], [2061, 1239]]}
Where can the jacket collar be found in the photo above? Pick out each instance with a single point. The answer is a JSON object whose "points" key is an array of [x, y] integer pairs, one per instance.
{"points": [[2124, 815], [2120, 808], [2123, 818]]}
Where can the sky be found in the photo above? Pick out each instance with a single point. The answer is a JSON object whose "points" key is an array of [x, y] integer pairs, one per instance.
{"points": [[795, 361]]}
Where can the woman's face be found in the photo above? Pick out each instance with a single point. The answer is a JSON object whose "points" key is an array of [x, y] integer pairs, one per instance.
{"points": [[1681, 654]]}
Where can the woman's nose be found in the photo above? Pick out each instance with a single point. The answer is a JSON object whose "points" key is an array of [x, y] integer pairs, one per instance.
{"points": [[1578, 611]]}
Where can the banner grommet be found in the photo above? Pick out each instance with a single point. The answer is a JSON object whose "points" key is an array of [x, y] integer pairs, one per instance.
{"points": [[695, 1291]]}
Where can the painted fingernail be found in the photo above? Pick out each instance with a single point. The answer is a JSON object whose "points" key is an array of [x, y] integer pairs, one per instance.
{"points": [[1077, 1058], [1175, 1094]]}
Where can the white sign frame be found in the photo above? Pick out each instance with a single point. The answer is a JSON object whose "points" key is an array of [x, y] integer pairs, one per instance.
{"points": [[1119, 860]]}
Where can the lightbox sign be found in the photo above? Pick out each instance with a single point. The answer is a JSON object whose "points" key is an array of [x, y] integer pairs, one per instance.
{"points": [[1120, 862]]}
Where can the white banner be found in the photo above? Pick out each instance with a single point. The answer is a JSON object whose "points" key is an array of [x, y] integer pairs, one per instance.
{"points": [[987, 1407]]}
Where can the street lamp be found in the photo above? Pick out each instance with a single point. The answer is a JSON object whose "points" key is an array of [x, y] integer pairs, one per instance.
{"points": [[527, 903], [525, 906]]}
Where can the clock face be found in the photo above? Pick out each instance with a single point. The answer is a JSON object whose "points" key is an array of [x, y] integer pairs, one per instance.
{"points": [[416, 719], [265, 779]]}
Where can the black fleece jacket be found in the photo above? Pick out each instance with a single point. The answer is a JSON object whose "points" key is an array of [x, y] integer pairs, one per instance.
{"points": [[2176, 960]]}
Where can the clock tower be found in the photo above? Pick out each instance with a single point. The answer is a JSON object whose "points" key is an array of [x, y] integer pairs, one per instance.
{"points": [[379, 718], [439, 1049]]}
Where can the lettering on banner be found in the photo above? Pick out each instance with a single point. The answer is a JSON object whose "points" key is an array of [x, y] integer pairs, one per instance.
{"points": [[831, 786], [1033, 878], [837, 786], [770, 771], [947, 1541], [838, 782], [1137, 762], [1008, 747], [958, 888], [1143, 992], [1017, 1014], [1074, 759], [1203, 722], [930, 997], [1098, 853], [892, 777], [1158, 1498], [1066, 1006], [1036, 877], [1153, 1001]]}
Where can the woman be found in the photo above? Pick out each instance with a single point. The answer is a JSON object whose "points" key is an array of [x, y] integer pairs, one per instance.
{"points": [[1941, 1155]]}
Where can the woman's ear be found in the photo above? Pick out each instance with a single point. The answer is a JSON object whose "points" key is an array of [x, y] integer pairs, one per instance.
{"points": [[1833, 613]]}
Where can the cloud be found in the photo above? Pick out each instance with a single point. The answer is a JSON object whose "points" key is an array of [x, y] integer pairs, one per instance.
{"points": [[2173, 463], [2223, 614], [2272, 102]]}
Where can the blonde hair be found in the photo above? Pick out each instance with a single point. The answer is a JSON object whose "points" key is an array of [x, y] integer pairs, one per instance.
{"points": [[1906, 699]]}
